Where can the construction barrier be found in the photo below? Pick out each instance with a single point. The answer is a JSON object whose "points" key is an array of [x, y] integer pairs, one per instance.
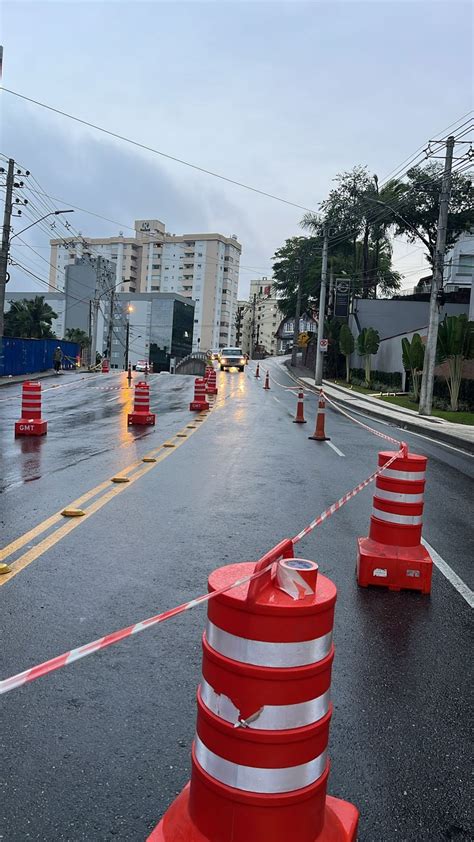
{"points": [[211, 383], [129, 373], [105, 367], [299, 417], [199, 403], [257, 371], [31, 423], [393, 555], [141, 406], [266, 385], [319, 432], [259, 759]]}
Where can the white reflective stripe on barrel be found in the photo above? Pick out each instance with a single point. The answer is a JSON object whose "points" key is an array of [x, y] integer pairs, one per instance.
{"points": [[262, 653], [405, 476], [397, 497], [271, 717], [391, 517], [256, 779]]}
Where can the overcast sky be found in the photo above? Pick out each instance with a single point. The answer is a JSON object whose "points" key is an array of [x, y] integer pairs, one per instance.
{"points": [[281, 96]]}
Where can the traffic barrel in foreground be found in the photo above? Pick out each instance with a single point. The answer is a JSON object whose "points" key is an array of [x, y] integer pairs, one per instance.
{"points": [[141, 406], [105, 366], [199, 403], [319, 432], [392, 555], [31, 423], [267, 382], [259, 759], [211, 384], [299, 417], [257, 370]]}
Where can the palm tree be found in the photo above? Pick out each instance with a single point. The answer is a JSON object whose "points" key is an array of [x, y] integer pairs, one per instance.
{"points": [[368, 343], [75, 334], [413, 354], [455, 344], [30, 318]]}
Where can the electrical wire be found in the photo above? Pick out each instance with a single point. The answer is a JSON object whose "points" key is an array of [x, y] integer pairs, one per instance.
{"points": [[156, 151]]}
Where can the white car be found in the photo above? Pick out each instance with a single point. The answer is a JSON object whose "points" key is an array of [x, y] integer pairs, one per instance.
{"points": [[231, 357], [142, 365], [214, 353]]}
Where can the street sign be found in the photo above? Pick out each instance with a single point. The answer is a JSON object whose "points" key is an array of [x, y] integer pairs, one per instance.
{"points": [[323, 345]]}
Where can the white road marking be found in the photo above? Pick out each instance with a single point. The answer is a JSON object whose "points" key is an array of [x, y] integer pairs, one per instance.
{"points": [[336, 449], [276, 399], [450, 575], [109, 400]]}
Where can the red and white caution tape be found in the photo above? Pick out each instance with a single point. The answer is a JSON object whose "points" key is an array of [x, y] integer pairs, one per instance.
{"points": [[342, 500], [103, 642], [401, 444]]}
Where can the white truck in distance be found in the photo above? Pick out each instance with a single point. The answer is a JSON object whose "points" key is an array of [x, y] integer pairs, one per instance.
{"points": [[231, 357]]}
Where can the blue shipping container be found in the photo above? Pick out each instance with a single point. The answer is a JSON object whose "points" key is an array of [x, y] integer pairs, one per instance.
{"points": [[26, 356]]}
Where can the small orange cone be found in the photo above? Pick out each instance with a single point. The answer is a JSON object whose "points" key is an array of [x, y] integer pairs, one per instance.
{"points": [[299, 417], [257, 372], [319, 434], [267, 381]]}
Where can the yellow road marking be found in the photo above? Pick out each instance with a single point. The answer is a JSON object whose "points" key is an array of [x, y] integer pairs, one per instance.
{"points": [[52, 539]]}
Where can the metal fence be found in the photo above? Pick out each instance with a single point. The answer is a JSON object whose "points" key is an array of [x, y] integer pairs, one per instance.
{"points": [[26, 356]]}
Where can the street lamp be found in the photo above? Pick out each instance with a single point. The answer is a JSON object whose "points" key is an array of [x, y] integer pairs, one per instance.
{"points": [[52, 213]]}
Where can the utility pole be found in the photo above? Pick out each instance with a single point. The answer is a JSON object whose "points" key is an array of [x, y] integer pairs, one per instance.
{"points": [[127, 342], [6, 239], [318, 376], [296, 329], [427, 382], [111, 323], [252, 337]]}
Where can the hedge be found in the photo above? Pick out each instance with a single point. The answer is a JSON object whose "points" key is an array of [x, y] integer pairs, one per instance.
{"points": [[388, 378]]}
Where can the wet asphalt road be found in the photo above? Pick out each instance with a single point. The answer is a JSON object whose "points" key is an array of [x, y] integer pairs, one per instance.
{"points": [[98, 750]]}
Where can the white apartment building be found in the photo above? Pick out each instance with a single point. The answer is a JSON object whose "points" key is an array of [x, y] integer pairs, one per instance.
{"points": [[202, 267], [459, 267], [261, 318]]}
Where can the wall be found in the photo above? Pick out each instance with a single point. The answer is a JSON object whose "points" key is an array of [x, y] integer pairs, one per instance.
{"points": [[26, 356]]}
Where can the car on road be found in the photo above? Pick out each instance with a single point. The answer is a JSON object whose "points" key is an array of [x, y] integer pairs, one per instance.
{"points": [[214, 353], [142, 365], [231, 357]]}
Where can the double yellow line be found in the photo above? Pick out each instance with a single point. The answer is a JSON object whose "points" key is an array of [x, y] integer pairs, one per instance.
{"points": [[107, 492]]}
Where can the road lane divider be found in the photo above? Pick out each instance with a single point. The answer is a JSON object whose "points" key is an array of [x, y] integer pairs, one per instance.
{"points": [[128, 476], [264, 564]]}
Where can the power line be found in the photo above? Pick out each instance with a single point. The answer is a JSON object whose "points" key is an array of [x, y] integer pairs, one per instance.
{"points": [[156, 151]]}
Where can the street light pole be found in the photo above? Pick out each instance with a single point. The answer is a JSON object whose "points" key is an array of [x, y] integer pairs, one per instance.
{"points": [[427, 381], [6, 239], [318, 376]]}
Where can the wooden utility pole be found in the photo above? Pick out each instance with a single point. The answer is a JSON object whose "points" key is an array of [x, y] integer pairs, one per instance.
{"points": [[427, 382]]}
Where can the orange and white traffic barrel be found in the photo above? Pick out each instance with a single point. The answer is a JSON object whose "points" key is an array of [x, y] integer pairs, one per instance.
{"points": [[200, 401], [31, 423], [105, 366], [211, 384], [392, 555], [141, 406], [259, 761]]}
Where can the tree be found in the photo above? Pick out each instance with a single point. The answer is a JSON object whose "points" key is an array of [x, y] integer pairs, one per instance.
{"points": [[359, 232], [297, 255], [417, 210], [455, 344], [75, 334], [368, 343], [413, 354], [30, 318], [346, 347]]}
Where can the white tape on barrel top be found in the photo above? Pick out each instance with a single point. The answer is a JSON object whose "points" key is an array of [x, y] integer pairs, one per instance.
{"points": [[390, 517], [398, 497], [263, 653], [405, 476], [256, 779], [270, 717], [289, 580]]}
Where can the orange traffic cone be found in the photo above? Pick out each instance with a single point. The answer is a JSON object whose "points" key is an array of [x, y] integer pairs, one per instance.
{"points": [[299, 417], [267, 381], [319, 434], [257, 372]]}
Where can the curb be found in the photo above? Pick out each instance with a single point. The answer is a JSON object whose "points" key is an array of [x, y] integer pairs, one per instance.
{"points": [[436, 434]]}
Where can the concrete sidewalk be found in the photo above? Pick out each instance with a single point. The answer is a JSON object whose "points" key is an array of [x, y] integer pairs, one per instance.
{"points": [[457, 435], [37, 375]]}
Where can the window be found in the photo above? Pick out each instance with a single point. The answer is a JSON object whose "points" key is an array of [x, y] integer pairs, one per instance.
{"points": [[199, 253], [196, 321], [466, 264], [199, 266], [155, 266]]}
